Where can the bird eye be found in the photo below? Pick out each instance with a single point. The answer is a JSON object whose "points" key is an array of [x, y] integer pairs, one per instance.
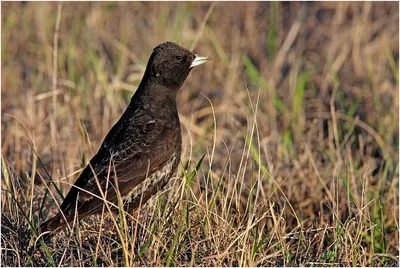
{"points": [[179, 58]]}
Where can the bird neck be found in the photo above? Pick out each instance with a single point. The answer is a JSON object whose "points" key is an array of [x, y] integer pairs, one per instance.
{"points": [[159, 101], [150, 90]]}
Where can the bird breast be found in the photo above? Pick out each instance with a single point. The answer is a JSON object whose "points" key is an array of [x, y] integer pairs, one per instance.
{"points": [[151, 184]]}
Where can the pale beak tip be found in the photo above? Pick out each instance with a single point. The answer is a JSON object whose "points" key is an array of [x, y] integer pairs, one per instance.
{"points": [[198, 60]]}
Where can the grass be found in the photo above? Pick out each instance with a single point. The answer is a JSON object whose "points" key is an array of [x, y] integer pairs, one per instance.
{"points": [[290, 134]]}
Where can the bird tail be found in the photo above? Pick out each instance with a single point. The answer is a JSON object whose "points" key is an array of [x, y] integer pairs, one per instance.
{"points": [[53, 224]]}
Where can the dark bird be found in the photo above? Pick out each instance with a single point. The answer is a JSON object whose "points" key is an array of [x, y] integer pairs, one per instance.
{"points": [[142, 150]]}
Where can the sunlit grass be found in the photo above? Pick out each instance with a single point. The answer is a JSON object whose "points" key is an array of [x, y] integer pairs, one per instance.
{"points": [[290, 152]]}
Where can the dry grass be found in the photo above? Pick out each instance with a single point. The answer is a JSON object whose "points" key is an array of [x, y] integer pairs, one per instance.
{"points": [[296, 117]]}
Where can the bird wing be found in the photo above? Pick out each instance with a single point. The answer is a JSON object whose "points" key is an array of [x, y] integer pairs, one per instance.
{"points": [[129, 154]]}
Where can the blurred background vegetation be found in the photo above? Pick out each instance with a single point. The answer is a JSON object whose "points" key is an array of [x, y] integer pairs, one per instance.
{"points": [[292, 129]]}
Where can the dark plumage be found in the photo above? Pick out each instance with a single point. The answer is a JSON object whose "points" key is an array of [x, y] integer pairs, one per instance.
{"points": [[142, 150]]}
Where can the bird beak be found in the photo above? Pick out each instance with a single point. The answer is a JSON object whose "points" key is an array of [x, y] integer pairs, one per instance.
{"points": [[199, 60]]}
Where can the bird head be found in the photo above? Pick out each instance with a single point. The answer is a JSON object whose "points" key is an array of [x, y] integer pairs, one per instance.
{"points": [[170, 64]]}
